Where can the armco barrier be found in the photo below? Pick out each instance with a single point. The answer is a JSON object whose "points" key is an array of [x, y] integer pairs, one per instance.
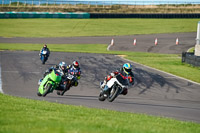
{"points": [[149, 15], [190, 58], [43, 15]]}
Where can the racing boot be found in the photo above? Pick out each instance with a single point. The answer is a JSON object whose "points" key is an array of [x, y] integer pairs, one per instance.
{"points": [[125, 91]]}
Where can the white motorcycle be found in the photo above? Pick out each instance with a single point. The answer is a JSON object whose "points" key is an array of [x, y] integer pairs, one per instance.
{"points": [[115, 86]]}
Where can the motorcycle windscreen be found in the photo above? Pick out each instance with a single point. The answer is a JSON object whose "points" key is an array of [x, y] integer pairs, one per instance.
{"points": [[122, 80], [55, 76]]}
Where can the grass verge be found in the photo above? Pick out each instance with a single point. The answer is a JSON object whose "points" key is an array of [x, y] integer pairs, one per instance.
{"points": [[22, 115], [170, 63], [93, 27]]}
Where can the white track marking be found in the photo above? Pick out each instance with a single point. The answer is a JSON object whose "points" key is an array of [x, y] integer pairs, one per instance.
{"points": [[18, 72], [108, 48], [161, 71], [1, 90]]}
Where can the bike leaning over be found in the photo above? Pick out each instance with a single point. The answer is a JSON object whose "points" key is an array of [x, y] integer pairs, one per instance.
{"points": [[50, 82], [116, 86], [116, 83], [66, 84]]}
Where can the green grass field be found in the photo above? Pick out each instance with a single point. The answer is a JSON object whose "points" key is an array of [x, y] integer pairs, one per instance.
{"points": [[20, 115], [92, 27]]}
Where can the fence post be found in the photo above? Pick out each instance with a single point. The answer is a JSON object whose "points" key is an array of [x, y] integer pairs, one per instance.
{"points": [[183, 56], [197, 46]]}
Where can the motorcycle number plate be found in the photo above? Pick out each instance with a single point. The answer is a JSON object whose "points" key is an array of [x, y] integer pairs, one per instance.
{"points": [[70, 76]]}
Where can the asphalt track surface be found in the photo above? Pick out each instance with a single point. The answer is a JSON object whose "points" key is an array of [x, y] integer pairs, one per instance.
{"points": [[155, 93]]}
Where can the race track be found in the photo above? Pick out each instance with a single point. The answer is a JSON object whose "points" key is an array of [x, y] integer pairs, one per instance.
{"points": [[144, 43], [155, 92]]}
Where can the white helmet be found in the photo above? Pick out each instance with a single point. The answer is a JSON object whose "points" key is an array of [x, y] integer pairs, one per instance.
{"points": [[62, 65]]}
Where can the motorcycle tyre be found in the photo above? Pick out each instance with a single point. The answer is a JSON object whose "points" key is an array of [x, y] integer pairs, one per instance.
{"points": [[63, 92], [58, 92], [47, 89], [39, 94], [116, 93], [101, 97], [43, 60]]}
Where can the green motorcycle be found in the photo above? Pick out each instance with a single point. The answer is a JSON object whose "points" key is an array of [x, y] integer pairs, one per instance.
{"points": [[49, 83]]}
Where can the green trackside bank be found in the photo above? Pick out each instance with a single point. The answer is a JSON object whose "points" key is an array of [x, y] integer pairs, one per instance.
{"points": [[49, 83]]}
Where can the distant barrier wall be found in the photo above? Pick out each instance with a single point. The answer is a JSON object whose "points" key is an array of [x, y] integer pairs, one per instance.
{"points": [[91, 15], [190, 58], [122, 15], [43, 15]]}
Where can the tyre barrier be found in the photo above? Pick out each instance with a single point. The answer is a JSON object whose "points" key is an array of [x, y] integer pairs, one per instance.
{"points": [[190, 58]]}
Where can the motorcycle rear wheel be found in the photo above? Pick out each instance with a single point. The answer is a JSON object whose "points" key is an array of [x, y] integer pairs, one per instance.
{"points": [[66, 88]]}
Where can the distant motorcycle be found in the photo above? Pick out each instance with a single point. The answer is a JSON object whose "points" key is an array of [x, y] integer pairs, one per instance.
{"points": [[44, 56], [50, 82], [67, 83], [117, 87]]}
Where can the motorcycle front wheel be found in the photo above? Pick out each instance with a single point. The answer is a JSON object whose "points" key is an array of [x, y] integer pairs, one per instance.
{"points": [[113, 94], [47, 89], [43, 59], [39, 94], [101, 97]]}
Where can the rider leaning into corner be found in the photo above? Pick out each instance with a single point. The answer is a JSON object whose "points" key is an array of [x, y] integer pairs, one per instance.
{"points": [[126, 74], [75, 69], [61, 68], [43, 49]]}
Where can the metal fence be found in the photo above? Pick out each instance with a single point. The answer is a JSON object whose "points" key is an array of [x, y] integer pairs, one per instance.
{"points": [[96, 3]]}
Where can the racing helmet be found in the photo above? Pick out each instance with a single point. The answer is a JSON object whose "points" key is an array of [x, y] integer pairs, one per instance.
{"points": [[75, 64], [127, 68], [45, 46], [62, 66]]}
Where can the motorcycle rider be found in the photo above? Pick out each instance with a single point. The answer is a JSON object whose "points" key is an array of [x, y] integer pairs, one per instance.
{"points": [[43, 49], [126, 74], [74, 69], [61, 68]]}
